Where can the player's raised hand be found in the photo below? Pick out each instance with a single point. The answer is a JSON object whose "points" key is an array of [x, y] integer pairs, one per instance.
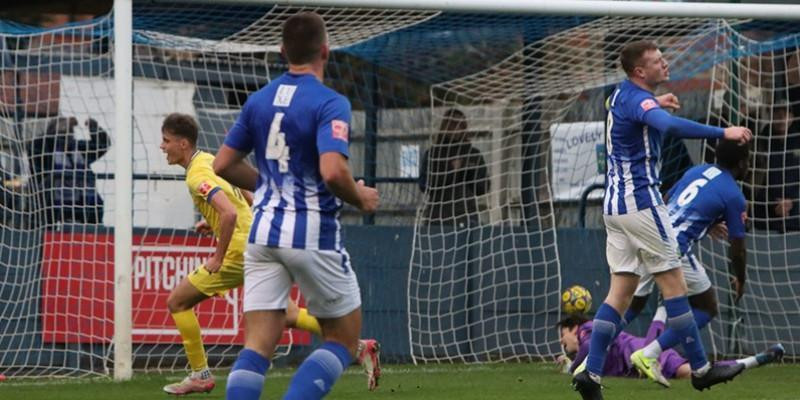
{"points": [[739, 134], [669, 100], [369, 197]]}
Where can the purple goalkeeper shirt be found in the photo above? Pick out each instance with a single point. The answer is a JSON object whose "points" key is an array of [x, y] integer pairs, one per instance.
{"points": [[618, 360]]}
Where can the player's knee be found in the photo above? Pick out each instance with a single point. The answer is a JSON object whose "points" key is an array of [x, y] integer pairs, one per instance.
{"points": [[684, 371], [671, 283], [175, 304]]}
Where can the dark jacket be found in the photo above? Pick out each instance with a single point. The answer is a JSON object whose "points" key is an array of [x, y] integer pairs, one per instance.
{"points": [[452, 174], [61, 170], [782, 182]]}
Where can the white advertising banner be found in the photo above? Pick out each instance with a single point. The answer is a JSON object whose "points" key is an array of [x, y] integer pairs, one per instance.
{"points": [[575, 149]]}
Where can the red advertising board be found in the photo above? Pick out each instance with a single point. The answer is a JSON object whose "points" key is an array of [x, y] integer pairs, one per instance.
{"points": [[78, 290]]}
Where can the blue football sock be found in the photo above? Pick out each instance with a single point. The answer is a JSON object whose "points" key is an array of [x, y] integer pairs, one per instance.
{"points": [[246, 379], [681, 320], [669, 338], [623, 323], [317, 374], [604, 330]]}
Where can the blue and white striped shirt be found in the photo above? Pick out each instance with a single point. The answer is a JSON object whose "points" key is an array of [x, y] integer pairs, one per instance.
{"points": [[289, 124], [634, 150], [705, 195]]}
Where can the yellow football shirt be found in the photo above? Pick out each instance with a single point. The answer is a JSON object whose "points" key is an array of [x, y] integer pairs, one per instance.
{"points": [[203, 183]]}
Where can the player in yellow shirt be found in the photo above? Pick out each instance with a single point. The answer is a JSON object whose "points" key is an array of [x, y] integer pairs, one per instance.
{"points": [[227, 214]]}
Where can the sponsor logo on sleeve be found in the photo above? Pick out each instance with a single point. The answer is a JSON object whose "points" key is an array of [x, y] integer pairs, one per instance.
{"points": [[648, 104], [204, 188], [340, 130]]}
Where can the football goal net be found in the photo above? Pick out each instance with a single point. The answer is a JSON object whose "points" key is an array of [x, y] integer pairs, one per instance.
{"points": [[482, 130]]}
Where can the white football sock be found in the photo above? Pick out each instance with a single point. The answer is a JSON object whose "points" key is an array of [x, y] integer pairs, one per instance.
{"points": [[702, 370], [661, 314], [652, 350], [749, 362]]}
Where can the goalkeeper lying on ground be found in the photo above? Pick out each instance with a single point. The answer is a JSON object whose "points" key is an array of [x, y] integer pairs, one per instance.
{"points": [[576, 332]]}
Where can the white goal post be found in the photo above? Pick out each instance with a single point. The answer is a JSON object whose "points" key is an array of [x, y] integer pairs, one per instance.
{"points": [[123, 185], [123, 97]]}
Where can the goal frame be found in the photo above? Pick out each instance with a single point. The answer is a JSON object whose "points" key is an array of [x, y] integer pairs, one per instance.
{"points": [[123, 81]]}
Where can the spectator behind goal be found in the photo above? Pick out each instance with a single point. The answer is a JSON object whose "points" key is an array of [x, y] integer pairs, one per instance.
{"points": [[778, 202], [61, 170], [452, 174]]}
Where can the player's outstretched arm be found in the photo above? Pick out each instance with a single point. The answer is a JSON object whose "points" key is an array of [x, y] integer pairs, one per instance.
{"points": [[738, 134], [684, 128], [337, 177], [737, 253], [229, 164]]}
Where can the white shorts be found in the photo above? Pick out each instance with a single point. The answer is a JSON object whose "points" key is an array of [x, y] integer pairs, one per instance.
{"points": [[693, 272], [325, 278], [641, 243]]}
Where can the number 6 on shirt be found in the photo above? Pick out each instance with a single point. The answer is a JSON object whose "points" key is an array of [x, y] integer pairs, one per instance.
{"points": [[688, 194], [276, 144]]}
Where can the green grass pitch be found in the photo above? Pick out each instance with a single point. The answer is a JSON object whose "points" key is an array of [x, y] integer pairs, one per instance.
{"points": [[440, 382]]}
